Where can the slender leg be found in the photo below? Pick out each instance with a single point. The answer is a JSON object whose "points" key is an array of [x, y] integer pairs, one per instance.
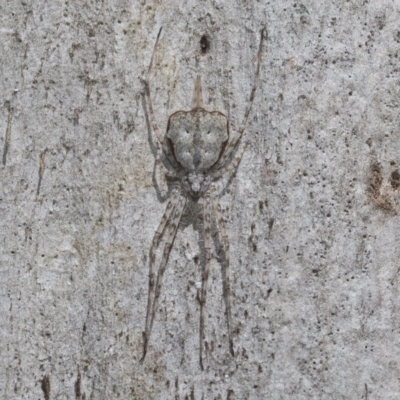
{"points": [[230, 167], [231, 145], [148, 97], [156, 130], [173, 228], [225, 241], [207, 248], [164, 169], [171, 206]]}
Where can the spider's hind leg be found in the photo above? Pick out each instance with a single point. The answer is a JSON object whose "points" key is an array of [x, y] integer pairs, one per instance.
{"points": [[207, 249], [225, 241], [173, 228], [173, 212]]}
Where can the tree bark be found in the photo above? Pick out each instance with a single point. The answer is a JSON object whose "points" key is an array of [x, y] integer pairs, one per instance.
{"points": [[311, 213]]}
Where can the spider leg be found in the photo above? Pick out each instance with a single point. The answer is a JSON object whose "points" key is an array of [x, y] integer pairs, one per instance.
{"points": [[233, 165], [173, 228], [148, 97], [225, 241], [171, 206], [164, 169], [156, 130], [207, 248], [232, 144]]}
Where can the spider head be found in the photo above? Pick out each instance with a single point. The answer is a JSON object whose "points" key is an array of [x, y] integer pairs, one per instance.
{"points": [[196, 183]]}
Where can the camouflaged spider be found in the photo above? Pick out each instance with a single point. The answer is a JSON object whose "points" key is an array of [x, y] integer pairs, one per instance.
{"points": [[197, 148]]}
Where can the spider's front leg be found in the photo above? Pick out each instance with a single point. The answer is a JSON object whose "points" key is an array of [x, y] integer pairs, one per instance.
{"points": [[160, 137], [171, 218], [237, 136], [232, 165], [148, 96]]}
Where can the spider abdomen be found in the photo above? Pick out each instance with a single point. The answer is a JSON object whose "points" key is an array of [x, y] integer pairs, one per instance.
{"points": [[197, 138]]}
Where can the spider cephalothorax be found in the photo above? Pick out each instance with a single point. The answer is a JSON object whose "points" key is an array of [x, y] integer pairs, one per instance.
{"points": [[198, 147], [196, 183]]}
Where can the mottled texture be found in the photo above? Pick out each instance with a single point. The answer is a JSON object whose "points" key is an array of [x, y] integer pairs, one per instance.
{"points": [[197, 143], [198, 138], [312, 213]]}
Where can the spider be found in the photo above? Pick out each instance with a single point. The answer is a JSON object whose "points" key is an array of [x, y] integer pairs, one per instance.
{"points": [[198, 149]]}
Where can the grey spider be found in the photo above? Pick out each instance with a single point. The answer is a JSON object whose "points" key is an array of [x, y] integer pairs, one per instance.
{"points": [[198, 149]]}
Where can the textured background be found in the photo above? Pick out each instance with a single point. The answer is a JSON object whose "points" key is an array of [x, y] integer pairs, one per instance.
{"points": [[312, 212]]}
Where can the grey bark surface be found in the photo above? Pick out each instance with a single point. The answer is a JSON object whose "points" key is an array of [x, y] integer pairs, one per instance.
{"points": [[312, 212]]}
